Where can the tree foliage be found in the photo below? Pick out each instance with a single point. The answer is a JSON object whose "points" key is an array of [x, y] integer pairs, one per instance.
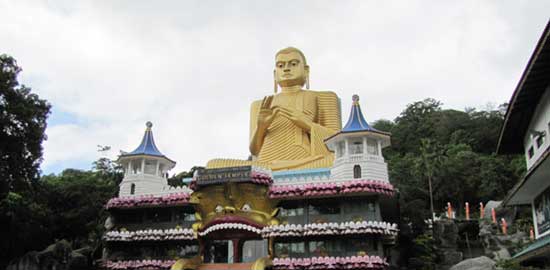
{"points": [[69, 206], [176, 180], [22, 124], [452, 149]]}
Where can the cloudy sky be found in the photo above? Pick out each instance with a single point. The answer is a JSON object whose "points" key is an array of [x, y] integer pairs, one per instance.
{"points": [[193, 67]]}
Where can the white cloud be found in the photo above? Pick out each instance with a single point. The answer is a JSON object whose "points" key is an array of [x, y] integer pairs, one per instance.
{"points": [[193, 67]]}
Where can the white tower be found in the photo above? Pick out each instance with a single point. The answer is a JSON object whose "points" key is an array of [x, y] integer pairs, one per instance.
{"points": [[145, 169], [358, 149]]}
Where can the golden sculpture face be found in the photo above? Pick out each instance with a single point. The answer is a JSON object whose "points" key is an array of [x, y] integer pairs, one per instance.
{"points": [[243, 203], [290, 69]]}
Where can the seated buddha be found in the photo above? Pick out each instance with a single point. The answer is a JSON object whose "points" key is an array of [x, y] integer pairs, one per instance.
{"points": [[288, 129]]}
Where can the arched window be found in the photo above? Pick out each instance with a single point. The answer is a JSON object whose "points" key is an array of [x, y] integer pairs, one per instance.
{"points": [[132, 189], [356, 171]]}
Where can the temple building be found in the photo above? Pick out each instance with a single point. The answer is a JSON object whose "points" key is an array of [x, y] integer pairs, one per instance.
{"points": [[310, 216], [525, 131], [358, 149], [328, 216], [149, 219], [312, 195], [145, 168]]}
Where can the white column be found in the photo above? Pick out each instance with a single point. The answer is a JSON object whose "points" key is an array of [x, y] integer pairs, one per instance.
{"points": [[347, 146], [378, 142], [157, 169], [142, 166], [535, 227], [129, 169], [365, 146]]}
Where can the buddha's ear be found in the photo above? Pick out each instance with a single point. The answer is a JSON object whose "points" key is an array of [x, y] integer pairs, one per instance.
{"points": [[306, 69], [275, 87]]}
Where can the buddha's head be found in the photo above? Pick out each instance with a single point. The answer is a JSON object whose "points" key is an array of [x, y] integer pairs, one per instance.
{"points": [[291, 68]]}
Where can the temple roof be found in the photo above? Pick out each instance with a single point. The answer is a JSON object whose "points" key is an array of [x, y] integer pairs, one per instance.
{"points": [[356, 121], [147, 145], [357, 124], [527, 95]]}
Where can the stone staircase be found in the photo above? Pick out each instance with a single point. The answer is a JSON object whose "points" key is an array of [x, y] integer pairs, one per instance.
{"points": [[225, 266]]}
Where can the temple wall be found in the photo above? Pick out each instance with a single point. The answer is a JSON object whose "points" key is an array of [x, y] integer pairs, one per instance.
{"points": [[147, 185], [540, 122], [371, 169]]}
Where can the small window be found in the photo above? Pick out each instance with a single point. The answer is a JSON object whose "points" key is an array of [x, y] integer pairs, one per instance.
{"points": [[158, 215], [133, 189], [356, 147], [292, 212], [531, 152], [253, 249], [161, 170], [294, 249], [150, 166], [189, 217], [341, 149], [372, 147], [136, 166], [323, 248], [187, 251], [540, 140], [356, 171], [324, 209]]}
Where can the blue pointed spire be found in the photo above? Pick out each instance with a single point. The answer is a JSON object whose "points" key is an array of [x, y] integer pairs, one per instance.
{"points": [[147, 146], [356, 121]]}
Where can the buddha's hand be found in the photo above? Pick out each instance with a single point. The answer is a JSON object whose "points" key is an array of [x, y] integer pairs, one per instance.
{"points": [[298, 118], [266, 114]]}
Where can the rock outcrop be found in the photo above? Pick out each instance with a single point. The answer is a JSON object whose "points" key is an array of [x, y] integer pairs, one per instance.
{"points": [[497, 246], [59, 256], [479, 263], [446, 236]]}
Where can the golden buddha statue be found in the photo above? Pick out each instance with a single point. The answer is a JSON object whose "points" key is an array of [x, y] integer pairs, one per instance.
{"points": [[288, 129]]}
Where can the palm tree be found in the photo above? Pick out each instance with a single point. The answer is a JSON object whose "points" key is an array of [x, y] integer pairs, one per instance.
{"points": [[431, 158]]}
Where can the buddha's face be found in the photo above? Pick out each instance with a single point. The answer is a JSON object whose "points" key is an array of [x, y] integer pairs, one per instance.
{"points": [[290, 69]]}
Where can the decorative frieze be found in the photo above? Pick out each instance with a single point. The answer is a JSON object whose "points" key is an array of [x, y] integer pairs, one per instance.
{"points": [[350, 262], [139, 264], [330, 189], [150, 235], [332, 228], [148, 200]]}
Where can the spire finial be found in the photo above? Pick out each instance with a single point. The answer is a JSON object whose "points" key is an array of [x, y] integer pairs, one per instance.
{"points": [[356, 121], [355, 99], [149, 125]]}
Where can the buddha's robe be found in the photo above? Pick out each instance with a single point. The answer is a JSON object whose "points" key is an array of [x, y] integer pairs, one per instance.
{"points": [[288, 146]]}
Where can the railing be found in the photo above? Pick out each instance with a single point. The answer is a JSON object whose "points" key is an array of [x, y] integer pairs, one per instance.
{"points": [[155, 225]]}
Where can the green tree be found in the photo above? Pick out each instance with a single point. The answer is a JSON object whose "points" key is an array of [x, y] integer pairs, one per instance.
{"points": [[78, 199], [107, 168], [22, 124], [383, 125], [23, 216], [26, 224], [176, 179], [454, 151], [459, 176], [428, 163], [414, 123]]}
